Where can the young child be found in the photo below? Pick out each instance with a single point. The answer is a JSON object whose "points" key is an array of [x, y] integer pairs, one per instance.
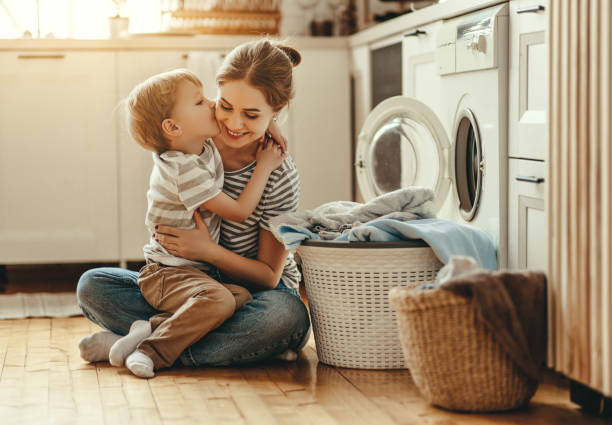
{"points": [[169, 115]]}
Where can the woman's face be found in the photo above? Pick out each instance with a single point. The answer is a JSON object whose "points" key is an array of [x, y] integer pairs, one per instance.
{"points": [[243, 113]]}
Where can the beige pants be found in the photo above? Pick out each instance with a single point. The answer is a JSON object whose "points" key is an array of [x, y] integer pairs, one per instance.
{"points": [[193, 304]]}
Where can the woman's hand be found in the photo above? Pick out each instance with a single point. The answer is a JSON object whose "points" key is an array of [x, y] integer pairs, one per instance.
{"points": [[193, 244]]}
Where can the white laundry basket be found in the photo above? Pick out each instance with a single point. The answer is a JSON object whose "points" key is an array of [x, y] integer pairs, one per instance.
{"points": [[348, 284]]}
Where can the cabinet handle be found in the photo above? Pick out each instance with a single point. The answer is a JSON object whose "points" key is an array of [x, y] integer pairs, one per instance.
{"points": [[530, 179], [415, 33], [41, 56], [185, 56], [532, 9]]}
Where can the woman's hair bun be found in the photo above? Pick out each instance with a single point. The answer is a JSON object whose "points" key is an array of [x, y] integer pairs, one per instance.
{"points": [[293, 55]]}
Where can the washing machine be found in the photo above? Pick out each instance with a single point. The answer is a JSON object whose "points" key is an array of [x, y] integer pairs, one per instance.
{"points": [[459, 150]]}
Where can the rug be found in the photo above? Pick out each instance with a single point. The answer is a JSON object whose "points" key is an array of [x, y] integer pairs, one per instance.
{"points": [[52, 304]]}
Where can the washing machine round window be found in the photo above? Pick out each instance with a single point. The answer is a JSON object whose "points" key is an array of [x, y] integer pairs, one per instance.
{"points": [[469, 164], [393, 154], [402, 143]]}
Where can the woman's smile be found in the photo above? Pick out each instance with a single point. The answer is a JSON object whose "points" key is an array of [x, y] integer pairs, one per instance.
{"points": [[235, 134]]}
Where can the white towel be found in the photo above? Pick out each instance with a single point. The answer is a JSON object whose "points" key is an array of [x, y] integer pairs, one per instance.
{"points": [[404, 204]]}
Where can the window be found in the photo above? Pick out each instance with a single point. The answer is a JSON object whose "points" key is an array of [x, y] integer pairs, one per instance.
{"points": [[85, 19]]}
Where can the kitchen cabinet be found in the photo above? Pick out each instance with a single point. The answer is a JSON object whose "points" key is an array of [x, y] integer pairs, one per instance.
{"points": [[360, 101], [528, 230], [527, 91], [74, 183], [386, 69], [527, 133], [58, 157], [360, 75], [319, 126], [420, 76]]}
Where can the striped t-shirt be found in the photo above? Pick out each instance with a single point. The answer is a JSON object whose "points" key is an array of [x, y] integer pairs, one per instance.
{"points": [[179, 184], [281, 195]]}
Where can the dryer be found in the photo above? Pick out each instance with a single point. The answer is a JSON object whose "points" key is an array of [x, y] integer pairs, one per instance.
{"points": [[459, 150]]}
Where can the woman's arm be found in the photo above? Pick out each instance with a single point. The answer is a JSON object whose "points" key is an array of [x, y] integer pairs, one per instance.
{"points": [[196, 244], [262, 273]]}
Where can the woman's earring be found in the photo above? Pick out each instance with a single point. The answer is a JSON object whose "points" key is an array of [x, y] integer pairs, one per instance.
{"points": [[275, 118]]}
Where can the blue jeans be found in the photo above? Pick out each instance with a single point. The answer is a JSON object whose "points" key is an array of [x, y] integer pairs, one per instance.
{"points": [[272, 322]]}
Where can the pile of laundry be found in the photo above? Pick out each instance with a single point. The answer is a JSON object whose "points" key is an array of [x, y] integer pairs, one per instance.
{"points": [[403, 214]]}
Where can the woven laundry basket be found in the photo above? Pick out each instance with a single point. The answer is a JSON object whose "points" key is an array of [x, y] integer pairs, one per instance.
{"points": [[348, 284], [454, 360]]}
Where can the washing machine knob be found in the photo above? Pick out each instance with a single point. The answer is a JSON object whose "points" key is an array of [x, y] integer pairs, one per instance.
{"points": [[478, 44]]}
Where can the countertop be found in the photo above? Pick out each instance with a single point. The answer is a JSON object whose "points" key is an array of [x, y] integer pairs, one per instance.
{"points": [[393, 27], [424, 16], [164, 42]]}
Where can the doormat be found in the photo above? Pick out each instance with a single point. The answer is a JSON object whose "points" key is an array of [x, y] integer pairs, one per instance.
{"points": [[52, 304]]}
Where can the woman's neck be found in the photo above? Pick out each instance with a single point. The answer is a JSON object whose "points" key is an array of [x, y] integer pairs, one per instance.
{"points": [[236, 158]]}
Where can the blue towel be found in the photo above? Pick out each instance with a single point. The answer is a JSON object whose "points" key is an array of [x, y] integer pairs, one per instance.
{"points": [[445, 237]]}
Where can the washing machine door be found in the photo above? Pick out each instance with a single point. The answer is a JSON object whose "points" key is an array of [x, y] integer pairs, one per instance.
{"points": [[402, 143]]}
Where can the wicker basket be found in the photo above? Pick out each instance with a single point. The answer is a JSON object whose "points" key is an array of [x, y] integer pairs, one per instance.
{"points": [[252, 17], [455, 361], [348, 286]]}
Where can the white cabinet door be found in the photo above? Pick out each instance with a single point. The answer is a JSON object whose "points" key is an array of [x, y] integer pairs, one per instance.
{"points": [[528, 66], [58, 157], [319, 126], [361, 98], [528, 230], [135, 163], [360, 72], [420, 76]]}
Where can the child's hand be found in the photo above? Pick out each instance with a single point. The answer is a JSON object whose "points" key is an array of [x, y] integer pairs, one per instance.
{"points": [[276, 135], [269, 156]]}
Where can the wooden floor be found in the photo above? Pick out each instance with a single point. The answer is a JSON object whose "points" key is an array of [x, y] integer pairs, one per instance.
{"points": [[44, 381]]}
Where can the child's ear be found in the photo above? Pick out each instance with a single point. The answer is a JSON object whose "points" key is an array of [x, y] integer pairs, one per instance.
{"points": [[171, 128]]}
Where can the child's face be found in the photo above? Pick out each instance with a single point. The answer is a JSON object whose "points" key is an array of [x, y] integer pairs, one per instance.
{"points": [[195, 115], [242, 112]]}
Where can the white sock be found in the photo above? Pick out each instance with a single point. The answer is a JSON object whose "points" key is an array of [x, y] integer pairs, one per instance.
{"points": [[457, 266], [139, 330], [140, 364], [287, 355], [95, 347]]}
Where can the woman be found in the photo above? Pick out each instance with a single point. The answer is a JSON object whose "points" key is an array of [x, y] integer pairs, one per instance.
{"points": [[255, 84]]}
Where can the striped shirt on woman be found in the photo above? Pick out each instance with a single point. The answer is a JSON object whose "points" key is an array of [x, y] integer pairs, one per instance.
{"points": [[281, 195], [179, 184]]}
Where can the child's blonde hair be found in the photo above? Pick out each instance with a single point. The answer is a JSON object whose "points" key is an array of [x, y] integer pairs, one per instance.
{"points": [[150, 103]]}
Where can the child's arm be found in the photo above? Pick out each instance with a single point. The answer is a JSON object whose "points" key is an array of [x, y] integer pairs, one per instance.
{"points": [[269, 157], [277, 136]]}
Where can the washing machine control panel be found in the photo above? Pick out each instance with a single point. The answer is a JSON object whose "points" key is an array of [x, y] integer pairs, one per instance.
{"points": [[470, 42]]}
